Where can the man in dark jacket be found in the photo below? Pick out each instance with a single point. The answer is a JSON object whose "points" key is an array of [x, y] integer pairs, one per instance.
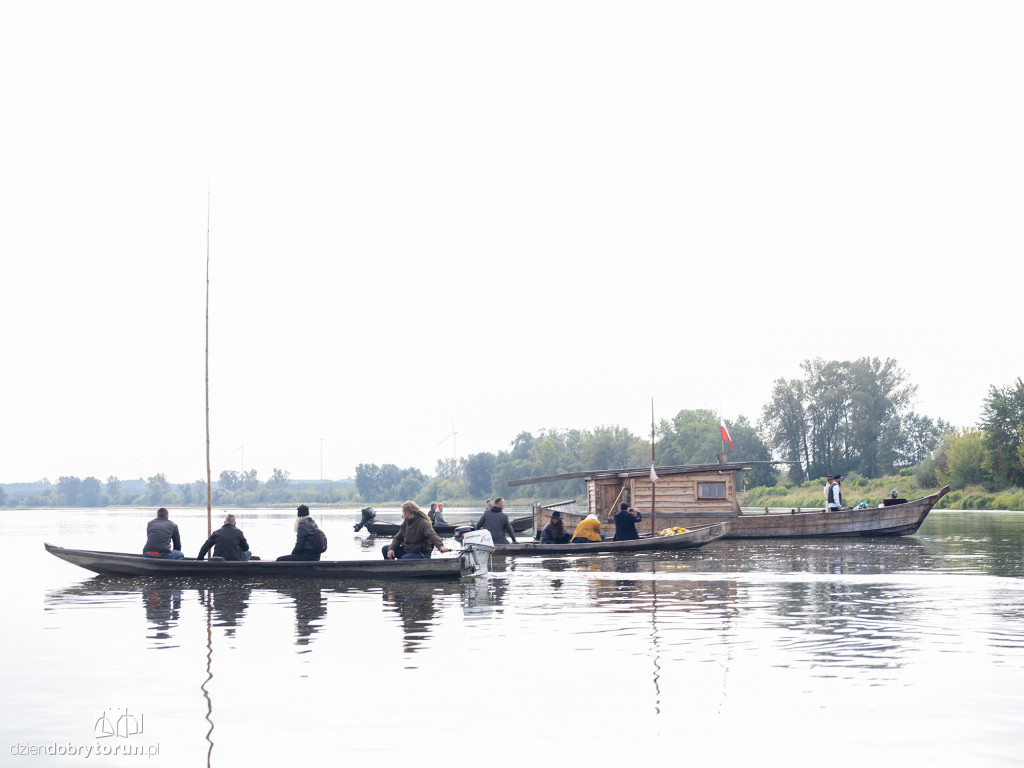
{"points": [[227, 542], [625, 523], [307, 540], [161, 533], [496, 522]]}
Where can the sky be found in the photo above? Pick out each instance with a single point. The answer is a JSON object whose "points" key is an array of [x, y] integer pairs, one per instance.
{"points": [[488, 217]]}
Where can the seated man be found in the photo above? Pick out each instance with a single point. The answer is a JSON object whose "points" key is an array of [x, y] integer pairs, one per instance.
{"points": [[588, 530], [625, 523], [161, 533], [227, 542]]}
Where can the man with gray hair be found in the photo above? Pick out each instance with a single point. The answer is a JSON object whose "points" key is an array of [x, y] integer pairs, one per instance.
{"points": [[227, 542]]}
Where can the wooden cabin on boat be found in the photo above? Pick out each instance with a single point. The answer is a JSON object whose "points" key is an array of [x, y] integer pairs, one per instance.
{"points": [[687, 495], [705, 494]]}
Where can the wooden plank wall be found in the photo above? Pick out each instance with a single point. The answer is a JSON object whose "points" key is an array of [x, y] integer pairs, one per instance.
{"points": [[675, 493]]}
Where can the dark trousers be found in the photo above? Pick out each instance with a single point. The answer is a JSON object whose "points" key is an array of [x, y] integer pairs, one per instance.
{"points": [[400, 553]]}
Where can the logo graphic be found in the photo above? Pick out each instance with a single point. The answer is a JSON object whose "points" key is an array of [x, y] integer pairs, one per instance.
{"points": [[124, 726]]}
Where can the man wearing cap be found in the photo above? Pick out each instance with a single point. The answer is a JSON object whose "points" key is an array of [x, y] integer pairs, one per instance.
{"points": [[625, 523], [828, 489], [835, 497], [554, 531]]}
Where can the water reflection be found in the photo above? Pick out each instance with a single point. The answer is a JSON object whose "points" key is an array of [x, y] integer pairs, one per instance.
{"points": [[310, 608], [163, 609]]}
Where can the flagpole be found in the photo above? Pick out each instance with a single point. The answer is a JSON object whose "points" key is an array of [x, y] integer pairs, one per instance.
{"points": [[654, 483]]}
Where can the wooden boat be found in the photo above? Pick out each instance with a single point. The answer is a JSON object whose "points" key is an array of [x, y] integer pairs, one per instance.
{"points": [[692, 496], [123, 564], [697, 537], [519, 525]]}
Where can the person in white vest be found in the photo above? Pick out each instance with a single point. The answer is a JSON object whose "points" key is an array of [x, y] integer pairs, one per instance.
{"points": [[835, 498]]}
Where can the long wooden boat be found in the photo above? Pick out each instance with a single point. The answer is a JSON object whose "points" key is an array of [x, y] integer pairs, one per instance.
{"points": [[519, 525], [124, 564], [692, 496], [692, 539]]}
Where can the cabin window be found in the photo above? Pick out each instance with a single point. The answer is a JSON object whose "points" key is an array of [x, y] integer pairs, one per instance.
{"points": [[711, 491]]}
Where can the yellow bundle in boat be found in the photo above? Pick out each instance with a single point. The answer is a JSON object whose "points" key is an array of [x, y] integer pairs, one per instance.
{"points": [[672, 531]]}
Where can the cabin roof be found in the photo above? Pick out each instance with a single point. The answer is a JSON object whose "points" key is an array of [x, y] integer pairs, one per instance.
{"points": [[606, 474]]}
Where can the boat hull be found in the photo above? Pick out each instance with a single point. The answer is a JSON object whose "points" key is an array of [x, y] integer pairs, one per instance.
{"points": [[123, 564], [895, 520], [689, 540]]}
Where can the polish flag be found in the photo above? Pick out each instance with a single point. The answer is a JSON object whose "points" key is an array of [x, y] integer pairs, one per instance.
{"points": [[725, 435], [654, 475]]}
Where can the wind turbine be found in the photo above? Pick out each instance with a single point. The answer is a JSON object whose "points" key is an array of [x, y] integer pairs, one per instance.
{"points": [[452, 436]]}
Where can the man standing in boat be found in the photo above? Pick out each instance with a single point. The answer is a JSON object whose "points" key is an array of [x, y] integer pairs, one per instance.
{"points": [[161, 534], [497, 523], [835, 497], [625, 523]]}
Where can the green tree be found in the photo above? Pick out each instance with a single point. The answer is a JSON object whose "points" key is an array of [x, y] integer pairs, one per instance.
{"points": [[114, 488], [158, 490], [68, 489], [479, 471], [608, 448], [250, 482], [446, 468], [230, 480], [692, 437], [963, 461], [785, 423], [278, 479], [748, 446], [907, 441], [828, 414], [879, 392], [90, 492], [368, 481], [1002, 420], [411, 484]]}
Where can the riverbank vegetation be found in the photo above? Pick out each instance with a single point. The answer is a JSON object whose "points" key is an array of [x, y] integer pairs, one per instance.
{"points": [[848, 417]]}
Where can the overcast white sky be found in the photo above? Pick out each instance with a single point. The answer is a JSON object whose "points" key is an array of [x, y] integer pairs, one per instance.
{"points": [[510, 216]]}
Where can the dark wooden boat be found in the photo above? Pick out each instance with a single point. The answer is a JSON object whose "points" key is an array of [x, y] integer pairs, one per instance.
{"points": [[691, 539], [888, 520], [519, 525], [123, 564], [694, 495]]}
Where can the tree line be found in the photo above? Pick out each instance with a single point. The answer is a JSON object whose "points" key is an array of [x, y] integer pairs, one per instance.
{"points": [[233, 488], [850, 417]]}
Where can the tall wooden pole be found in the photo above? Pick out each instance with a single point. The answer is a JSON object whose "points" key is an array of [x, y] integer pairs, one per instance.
{"points": [[209, 477], [654, 485]]}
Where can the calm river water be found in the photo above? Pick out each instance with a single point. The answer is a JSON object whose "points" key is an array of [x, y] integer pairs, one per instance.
{"points": [[818, 652]]}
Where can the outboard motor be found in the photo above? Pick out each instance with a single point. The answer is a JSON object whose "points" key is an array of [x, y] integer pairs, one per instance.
{"points": [[462, 530], [369, 515], [480, 545]]}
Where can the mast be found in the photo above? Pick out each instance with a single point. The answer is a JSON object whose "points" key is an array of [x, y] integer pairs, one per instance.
{"points": [[209, 480], [654, 481]]}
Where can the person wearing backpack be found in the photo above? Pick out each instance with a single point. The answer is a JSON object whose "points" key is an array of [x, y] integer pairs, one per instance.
{"points": [[310, 541]]}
